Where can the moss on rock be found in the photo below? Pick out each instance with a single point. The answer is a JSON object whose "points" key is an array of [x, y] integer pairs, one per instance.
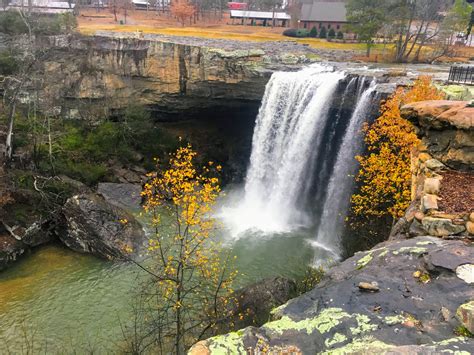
{"points": [[231, 343], [324, 322]]}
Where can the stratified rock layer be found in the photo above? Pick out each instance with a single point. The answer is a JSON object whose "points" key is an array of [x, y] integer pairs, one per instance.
{"points": [[446, 129], [414, 309], [114, 72]]}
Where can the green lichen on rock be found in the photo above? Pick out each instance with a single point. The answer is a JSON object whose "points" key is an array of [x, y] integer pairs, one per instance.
{"points": [[383, 253], [465, 314], [231, 343], [451, 341], [457, 92], [364, 345], [239, 53], [362, 262], [364, 325], [324, 322], [410, 250], [392, 320], [336, 339], [426, 242]]}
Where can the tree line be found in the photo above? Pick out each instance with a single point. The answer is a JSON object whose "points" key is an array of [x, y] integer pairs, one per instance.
{"points": [[411, 25]]}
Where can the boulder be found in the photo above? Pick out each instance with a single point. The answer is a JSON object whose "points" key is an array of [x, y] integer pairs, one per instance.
{"points": [[256, 301], [95, 226], [10, 249], [123, 195], [405, 316], [465, 314], [429, 202], [446, 129], [441, 227], [431, 186], [439, 114], [466, 272], [470, 227], [416, 229], [434, 164]]}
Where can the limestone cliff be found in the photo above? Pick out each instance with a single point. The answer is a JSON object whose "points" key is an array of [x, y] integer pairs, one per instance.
{"points": [[116, 71], [442, 178]]}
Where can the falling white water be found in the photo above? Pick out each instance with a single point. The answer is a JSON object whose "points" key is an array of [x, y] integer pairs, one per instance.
{"points": [[341, 183], [288, 130]]}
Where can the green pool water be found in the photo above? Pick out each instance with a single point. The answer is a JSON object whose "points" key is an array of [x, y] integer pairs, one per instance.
{"points": [[57, 301]]}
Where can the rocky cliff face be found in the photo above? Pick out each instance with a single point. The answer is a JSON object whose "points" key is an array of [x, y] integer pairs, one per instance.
{"points": [[411, 294], [446, 129], [118, 71], [442, 171]]}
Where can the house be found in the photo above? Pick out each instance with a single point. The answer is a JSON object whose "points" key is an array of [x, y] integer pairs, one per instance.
{"points": [[330, 14], [150, 5], [237, 5], [264, 18], [42, 6]]}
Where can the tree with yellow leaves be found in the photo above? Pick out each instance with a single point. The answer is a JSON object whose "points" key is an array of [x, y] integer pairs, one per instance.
{"points": [[385, 170], [191, 282]]}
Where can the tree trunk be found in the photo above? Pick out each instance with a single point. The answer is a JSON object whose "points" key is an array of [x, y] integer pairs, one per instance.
{"points": [[9, 140]]}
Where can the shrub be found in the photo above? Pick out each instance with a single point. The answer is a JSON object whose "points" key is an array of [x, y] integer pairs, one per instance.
{"points": [[314, 32], [11, 23], [67, 22], [331, 33], [8, 64], [291, 32], [385, 169], [310, 279], [299, 33], [323, 32], [46, 26], [340, 35]]}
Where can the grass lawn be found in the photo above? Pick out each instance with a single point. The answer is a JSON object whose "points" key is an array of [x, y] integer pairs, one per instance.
{"points": [[90, 22]]}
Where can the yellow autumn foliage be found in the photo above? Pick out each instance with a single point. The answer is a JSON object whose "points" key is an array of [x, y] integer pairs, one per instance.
{"points": [[192, 281], [385, 170]]}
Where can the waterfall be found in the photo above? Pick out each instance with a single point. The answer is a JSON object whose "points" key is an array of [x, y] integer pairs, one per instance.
{"points": [[303, 149], [341, 183], [288, 129]]}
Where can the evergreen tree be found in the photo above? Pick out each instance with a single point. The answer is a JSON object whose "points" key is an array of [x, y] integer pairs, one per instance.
{"points": [[366, 18], [323, 32], [313, 32], [331, 33]]}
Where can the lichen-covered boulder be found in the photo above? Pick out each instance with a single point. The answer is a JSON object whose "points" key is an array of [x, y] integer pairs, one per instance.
{"points": [[441, 227], [465, 314], [410, 312], [95, 226]]}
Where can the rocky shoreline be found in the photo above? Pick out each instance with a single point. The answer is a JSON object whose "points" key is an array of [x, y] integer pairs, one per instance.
{"points": [[94, 223]]}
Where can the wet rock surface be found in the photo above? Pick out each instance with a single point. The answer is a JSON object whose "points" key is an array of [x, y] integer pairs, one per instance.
{"points": [[95, 226], [411, 312]]}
